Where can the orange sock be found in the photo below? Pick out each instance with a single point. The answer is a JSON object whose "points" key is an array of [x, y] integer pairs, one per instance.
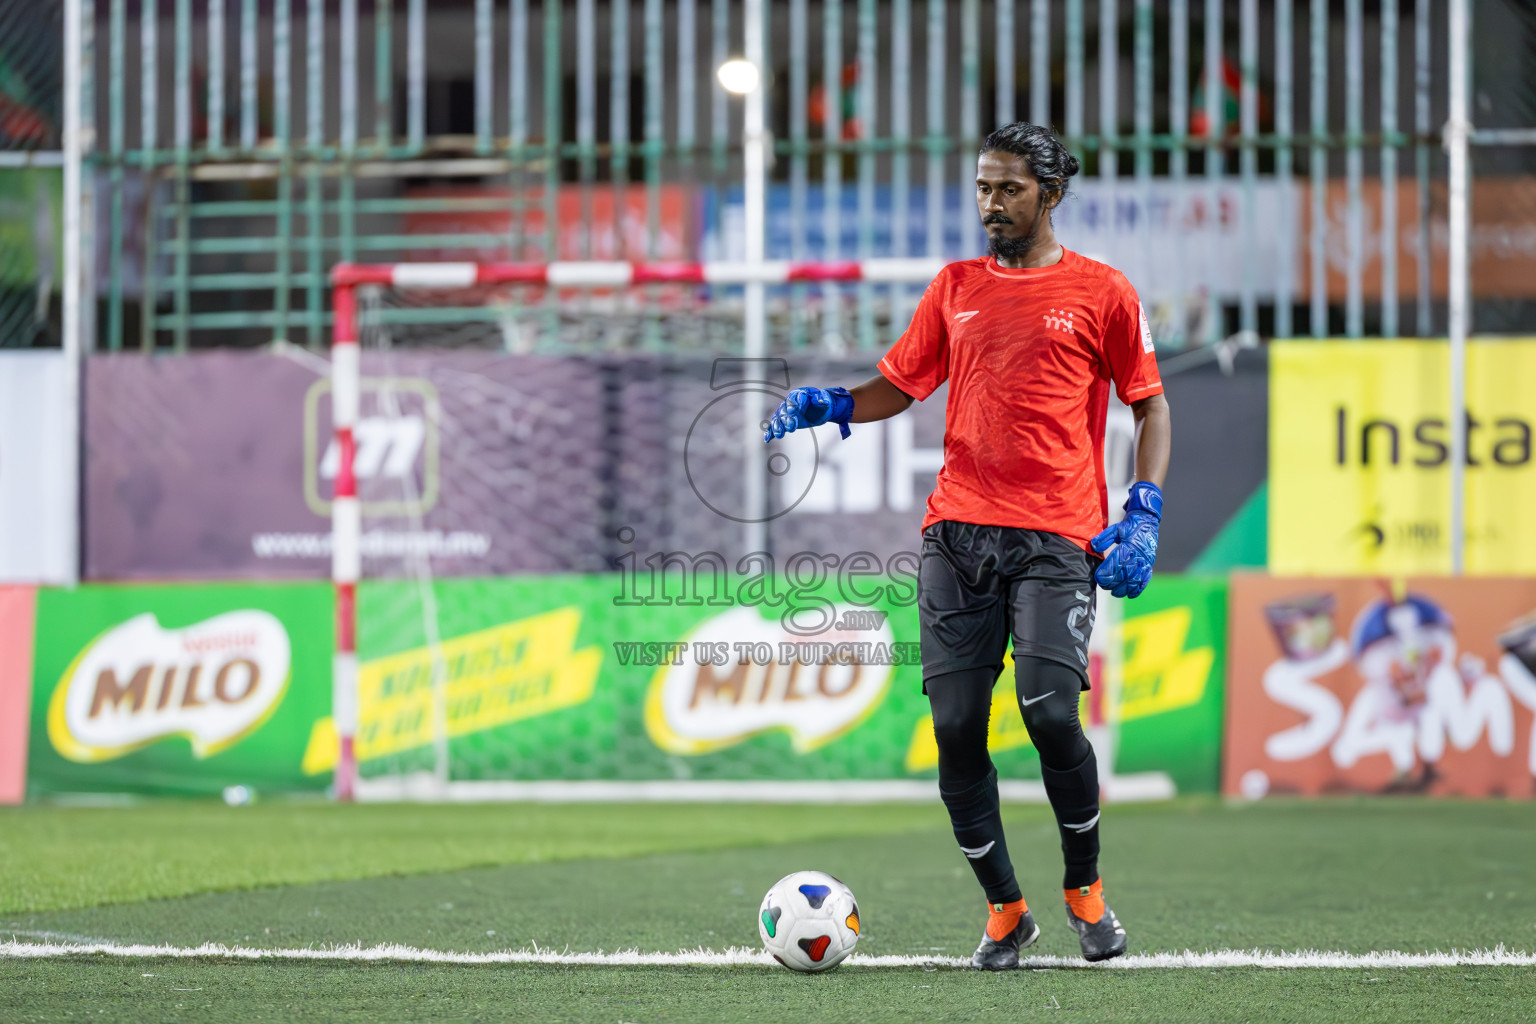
{"points": [[1003, 918], [1087, 903]]}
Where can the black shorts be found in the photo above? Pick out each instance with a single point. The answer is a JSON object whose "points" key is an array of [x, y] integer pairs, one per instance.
{"points": [[979, 584]]}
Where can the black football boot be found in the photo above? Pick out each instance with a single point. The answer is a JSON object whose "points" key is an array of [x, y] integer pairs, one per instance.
{"points": [[1104, 939], [1003, 955]]}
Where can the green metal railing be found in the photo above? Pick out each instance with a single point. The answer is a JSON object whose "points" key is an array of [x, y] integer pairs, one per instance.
{"points": [[274, 140]]}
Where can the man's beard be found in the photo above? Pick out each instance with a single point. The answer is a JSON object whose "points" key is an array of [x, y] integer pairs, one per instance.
{"points": [[1006, 248]]}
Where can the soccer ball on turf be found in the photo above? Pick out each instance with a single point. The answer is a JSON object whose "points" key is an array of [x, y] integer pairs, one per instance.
{"points": [[809, 921]]}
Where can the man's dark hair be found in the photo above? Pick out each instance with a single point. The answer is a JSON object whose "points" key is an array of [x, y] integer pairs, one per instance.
{"points": [[1048, 159]]}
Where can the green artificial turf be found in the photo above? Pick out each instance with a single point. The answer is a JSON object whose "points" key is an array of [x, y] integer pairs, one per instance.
{"points": [[1352, 876], [57, 857], [118, 991]]}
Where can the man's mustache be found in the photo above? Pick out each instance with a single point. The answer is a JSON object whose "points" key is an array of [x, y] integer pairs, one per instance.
{"points": [[996, 218]]}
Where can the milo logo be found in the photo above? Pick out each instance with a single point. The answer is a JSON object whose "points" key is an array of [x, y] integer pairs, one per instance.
{"points": [[740, 674], [212, 682]]}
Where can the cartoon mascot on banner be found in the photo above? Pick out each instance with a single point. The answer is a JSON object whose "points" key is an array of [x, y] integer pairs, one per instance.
{"points": [[1418, 691]]}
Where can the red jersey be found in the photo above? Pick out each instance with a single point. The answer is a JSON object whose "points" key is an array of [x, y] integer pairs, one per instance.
{"points": [[1029, 356]]}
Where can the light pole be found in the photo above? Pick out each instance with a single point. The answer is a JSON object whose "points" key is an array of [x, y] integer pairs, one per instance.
{"points": [[743, 77]]}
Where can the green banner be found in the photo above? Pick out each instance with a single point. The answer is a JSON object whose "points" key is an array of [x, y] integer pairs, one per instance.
{"points": [[1174, 671], [583, 677], [193, 688], [178, 689]]}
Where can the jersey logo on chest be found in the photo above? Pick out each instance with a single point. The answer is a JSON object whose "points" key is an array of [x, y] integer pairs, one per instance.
{"points": [[1059, 320]]}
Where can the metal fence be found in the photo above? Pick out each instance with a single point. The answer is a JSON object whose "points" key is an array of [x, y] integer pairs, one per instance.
{"points": [[31, 93], [1261, 166]]}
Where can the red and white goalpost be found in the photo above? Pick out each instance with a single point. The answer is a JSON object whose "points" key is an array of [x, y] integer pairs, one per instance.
{"points": [[346, 534], [346, 390], [612, 274]]}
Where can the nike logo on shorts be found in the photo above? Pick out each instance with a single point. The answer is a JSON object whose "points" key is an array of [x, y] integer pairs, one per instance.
{"points": [[980, 851], [1035, 700]]}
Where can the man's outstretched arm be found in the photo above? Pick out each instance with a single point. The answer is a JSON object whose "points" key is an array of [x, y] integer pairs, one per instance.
{"points": [[875, 399], [878, 399]]}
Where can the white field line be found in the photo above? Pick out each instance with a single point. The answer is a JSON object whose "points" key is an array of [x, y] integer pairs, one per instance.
{"points": [[738, 956], [423, 786]]}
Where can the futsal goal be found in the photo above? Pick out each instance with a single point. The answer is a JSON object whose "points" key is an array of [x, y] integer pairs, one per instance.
{"points": [[500, 435]]}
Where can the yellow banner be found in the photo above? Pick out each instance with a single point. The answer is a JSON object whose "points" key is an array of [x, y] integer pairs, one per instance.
{"points": [[494, 676], [1359, 458]]}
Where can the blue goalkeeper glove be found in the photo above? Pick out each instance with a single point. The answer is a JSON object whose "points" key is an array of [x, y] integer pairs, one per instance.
{"points": [[810, 407], [1126, 571]]}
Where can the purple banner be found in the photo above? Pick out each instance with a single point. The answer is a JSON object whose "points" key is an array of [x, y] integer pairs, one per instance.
{"points": [[220, 465]]}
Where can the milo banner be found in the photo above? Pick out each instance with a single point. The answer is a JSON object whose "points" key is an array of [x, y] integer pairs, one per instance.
{"points": [[788, 676], [1359, 458], [178, 689], [1418, 685]]}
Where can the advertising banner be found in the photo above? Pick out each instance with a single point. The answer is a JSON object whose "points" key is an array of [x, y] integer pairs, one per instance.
{"points": [[481, 463], [609, 677], [178, 689], [460, 459], [1502, 238], [1165, 236], [220, 465], [37, 467], [1220, 461], [1359, 457], [1337, 685], [189, 689]]}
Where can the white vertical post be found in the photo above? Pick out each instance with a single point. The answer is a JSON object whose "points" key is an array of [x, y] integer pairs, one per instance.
{"points": [[937, 126], [1004, 66], [484, 74], [1354, 168], [74, 261], [1248, 157], [248, 124], [1457, 130], [755, 156], [1389, 238], [1215, 134], [416, 74], [1318, 123], [216, 44], [1040, 62]]}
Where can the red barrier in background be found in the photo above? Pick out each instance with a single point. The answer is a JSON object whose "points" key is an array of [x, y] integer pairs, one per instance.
{"points": [[18, 608]]}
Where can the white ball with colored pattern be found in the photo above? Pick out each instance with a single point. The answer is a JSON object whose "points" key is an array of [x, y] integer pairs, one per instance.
{"points": [[809, 921]]}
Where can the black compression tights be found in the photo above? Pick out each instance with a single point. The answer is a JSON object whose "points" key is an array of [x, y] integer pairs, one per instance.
{"points": [[962, 703]]}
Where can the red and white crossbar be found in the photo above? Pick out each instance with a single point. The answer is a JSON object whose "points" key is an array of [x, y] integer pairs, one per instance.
{"points": [[614, 274], [346, 387]]}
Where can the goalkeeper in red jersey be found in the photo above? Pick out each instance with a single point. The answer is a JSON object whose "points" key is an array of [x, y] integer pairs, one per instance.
{"points": [[1030, 338]]}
